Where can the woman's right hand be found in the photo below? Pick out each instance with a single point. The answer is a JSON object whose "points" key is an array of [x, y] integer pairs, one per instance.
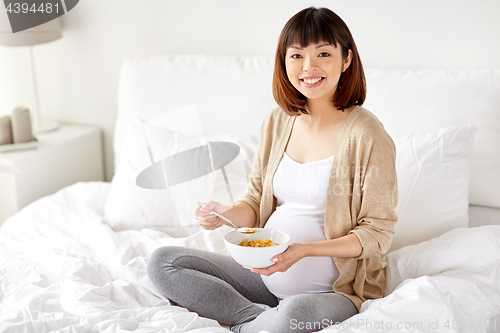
{"points": [[206, 219]]}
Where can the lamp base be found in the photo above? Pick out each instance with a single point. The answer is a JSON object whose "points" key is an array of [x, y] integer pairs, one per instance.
{"points": [[46, 125]]}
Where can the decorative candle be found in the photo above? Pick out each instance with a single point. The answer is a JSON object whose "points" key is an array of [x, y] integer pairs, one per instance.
{"points": [[5, 131], [21, 125]]}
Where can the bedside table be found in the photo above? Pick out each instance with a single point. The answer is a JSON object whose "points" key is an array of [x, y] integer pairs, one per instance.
{"points": [[71, 154]]}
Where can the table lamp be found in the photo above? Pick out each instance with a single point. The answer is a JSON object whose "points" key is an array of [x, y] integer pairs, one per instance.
{"points": [[43, 33]]}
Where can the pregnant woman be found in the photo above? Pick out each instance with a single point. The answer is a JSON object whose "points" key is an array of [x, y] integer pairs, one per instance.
{"points": [[324, 173]]}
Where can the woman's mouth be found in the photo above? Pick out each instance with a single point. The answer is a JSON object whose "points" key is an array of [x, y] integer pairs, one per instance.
{"points": [[311, 82]]}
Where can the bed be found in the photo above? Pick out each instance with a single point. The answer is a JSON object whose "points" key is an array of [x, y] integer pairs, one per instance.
{"points": [[75, 261]]}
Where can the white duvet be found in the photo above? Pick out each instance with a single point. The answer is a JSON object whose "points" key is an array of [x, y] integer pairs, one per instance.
{"points": [[62, 269]]}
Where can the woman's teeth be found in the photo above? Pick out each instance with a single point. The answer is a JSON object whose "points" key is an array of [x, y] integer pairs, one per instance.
{"points": [[312, 81]]}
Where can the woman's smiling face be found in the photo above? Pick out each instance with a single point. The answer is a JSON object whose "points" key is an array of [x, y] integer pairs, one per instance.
{"points": [[315, 70]]}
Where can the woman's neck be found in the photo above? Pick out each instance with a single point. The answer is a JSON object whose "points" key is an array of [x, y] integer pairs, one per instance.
{"points": [[323, 113]]}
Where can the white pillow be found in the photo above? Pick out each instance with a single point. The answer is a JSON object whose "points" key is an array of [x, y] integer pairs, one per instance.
{"points": [[131, 207], [433, 181], [433, 184], [416, 101]]}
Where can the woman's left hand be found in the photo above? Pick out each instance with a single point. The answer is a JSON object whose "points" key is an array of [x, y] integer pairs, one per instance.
{"points": [[283, 261]]}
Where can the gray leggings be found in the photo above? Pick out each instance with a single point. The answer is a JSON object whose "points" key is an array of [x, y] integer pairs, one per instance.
{"points": [[215, 286]]}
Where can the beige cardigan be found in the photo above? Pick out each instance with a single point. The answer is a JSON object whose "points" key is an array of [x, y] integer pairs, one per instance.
{"points": [[362, 195]]}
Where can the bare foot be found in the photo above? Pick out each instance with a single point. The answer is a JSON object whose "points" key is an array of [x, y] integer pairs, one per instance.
{"points": [[224, 325]]}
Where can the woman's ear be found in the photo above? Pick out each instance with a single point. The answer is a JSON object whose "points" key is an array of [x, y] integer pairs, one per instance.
{"points": [[347, 61]]}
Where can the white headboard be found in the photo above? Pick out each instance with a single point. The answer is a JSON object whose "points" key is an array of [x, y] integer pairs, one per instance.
{"points": [[233, 95]]}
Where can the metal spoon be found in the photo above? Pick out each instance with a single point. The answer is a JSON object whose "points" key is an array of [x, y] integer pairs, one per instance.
{"points": [[242, 230]]}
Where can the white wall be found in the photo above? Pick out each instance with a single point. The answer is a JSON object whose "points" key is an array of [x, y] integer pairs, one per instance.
{"points": [[78, 74]]}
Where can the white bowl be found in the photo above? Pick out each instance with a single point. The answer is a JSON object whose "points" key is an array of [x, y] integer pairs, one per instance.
{"points": [[256, 257]]}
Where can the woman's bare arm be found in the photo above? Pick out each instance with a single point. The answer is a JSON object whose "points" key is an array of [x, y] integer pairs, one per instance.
{"points": [[242, 214], [346, 246]]}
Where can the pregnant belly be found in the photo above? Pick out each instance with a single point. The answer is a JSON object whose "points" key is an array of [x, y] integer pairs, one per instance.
{"points": [[310, 274]]}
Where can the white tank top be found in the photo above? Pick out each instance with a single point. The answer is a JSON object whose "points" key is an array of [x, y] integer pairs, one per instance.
{"points": [[300, 190]]}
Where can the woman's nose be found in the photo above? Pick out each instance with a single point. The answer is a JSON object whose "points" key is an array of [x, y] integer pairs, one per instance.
{"points": [[309, 64]]}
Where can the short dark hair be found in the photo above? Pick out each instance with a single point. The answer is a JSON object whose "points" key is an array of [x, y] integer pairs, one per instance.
{"points": [[315, 25]]}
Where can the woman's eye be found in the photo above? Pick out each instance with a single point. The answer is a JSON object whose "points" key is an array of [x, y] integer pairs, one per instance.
{"points": [[324, 54], [296, 56]]}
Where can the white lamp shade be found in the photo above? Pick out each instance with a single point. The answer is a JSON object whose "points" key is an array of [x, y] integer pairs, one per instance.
{"points": [[42, 33]]}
